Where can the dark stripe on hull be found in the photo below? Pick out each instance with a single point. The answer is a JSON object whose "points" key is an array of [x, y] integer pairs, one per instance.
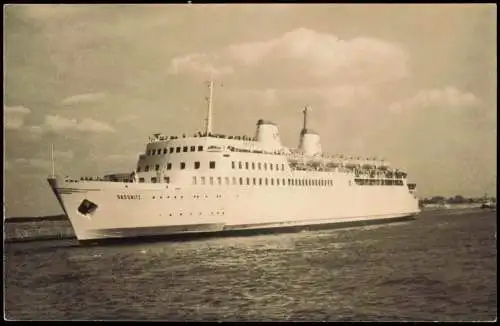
{"points": [[242, 232], [159, 230]]}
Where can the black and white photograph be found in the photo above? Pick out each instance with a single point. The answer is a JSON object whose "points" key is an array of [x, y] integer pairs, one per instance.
{"points": [[326, 162]]}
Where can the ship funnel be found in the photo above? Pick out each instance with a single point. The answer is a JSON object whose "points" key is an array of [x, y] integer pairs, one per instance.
{"points": [[309, 142], [268, 135]]}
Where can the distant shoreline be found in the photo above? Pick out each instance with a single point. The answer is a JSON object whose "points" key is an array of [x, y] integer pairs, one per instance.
{"points": [[60, 217]]}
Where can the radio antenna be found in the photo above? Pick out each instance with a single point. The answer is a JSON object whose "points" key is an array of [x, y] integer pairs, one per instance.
{"points": [[52, 159], [208, 120]]}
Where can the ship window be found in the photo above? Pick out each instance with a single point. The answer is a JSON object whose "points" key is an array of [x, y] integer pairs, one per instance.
{"points": [[271, 166], [233, 165], [254, 181], [185, 149], [194, 180], [211, 180], [157, 167], [277, 182], [259, 166], [212, 164], [272, 182], [283, 182], [234, 180], [260, 181], [164, 151], [183, 165], [248, 181], [227, 180], [158, 152], [138, 169], [240, 165], [282, 167], [241, 180], [219, 180], [166, 179], [192, 148], [171, 150], [141, 180], [147, 168], [169, 166], [196, 165], [289, 182], [177, 149], [253, 165], [265, 166], [200, 148], [202, 180], [277, 167], [265, 179], [153, 180], [246, 165]]}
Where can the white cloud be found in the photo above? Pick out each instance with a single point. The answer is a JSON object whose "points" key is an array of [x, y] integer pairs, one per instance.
{"points": [[60, 124], [341, 96], [65, 155], [33, 162], [303, 55], [448, 97], [94, 126], [89, 97], [126, 118], [14, 116]]}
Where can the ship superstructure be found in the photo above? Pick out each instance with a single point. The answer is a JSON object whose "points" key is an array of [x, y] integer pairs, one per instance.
{"points": [[210, 182]]}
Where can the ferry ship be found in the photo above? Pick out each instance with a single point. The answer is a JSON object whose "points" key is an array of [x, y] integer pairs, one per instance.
{"points": [[211, 183]]}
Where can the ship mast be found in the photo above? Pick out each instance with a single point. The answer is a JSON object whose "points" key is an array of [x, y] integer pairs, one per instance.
{"points": [[208, 120], [52, 159]]}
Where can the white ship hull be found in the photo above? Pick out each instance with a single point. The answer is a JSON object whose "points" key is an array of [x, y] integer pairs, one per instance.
{"points": [[212, 183], [130, 210]]}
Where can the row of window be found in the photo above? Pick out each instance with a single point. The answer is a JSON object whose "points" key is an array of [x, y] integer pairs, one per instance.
{"points": [[155, 180], [182, 166], [258, 165], [263, 181], [171, 150], [127, 196], [378, 182]]}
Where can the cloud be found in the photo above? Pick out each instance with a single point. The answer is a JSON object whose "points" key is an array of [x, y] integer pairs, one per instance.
{"points": [[14, 116], [33, 162], [341, 96], [126, 118], [448, 97], [60, 124], [303, 55], [65, 155], [85, 98]]}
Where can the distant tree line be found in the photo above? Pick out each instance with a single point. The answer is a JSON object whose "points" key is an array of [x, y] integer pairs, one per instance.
{"points": [[458, 199]]}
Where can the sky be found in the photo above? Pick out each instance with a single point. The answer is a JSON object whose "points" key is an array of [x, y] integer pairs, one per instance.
{"points": [[414, 84]]}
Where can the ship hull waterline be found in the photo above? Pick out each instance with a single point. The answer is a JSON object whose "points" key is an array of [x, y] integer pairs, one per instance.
{"points": [[106, 227]]}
